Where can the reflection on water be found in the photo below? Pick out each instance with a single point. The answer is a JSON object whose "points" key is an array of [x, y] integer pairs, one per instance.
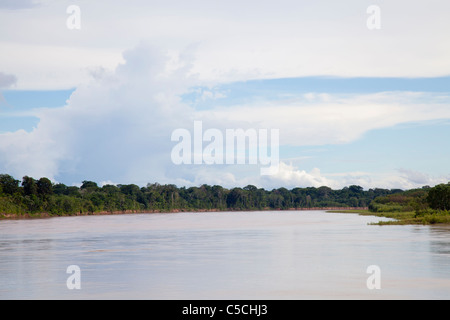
{"points": [[440, 240], [231, 255]]}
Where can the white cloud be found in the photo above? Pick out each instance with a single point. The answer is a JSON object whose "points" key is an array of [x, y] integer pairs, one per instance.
{"points": [[118, 126], [290, 177], [35, 154], [235, 40], [335, 119], [411, 178], [39, 67], [400, 179]]}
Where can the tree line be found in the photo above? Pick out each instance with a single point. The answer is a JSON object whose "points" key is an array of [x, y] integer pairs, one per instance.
{"points": [[31, 195]]}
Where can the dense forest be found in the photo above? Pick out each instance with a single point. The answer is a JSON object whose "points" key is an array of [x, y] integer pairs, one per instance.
{"points": [[31, 196], [36, 196]]}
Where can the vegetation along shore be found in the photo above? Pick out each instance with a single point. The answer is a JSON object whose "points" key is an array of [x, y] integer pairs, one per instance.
{"points": [[32, 198]]}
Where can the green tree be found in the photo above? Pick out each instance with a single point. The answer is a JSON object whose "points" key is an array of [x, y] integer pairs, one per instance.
{"points": [[60, 189], [324, 192], [110, 189], [44, 187], [29, 186], [130, 190], [72, 191], [89, 186], [355, 190], [8, 184], [439, 197], [236, 199]]}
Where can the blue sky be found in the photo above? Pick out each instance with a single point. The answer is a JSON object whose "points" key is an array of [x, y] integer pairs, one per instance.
{"points": [[353, 105], [271, 89], [18, 107]]}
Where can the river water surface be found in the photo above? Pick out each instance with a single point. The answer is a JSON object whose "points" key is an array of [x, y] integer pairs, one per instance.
{"points": [[227, 255]]}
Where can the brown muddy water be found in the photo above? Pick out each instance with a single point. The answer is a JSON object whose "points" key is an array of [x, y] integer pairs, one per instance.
{"points": [[222, 255]]}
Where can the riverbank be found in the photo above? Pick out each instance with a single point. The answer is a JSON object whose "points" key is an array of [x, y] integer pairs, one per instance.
{"points": [[44, 215], [402, 218]]}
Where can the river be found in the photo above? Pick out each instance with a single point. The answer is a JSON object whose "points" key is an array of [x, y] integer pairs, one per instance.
{"points": [[223, 255]]}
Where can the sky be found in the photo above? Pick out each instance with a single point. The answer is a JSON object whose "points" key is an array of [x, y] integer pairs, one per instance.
{"points": [[94, 90]]}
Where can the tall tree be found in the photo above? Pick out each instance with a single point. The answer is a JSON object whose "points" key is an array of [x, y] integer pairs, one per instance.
{"points": [[29, 185], [44, 187], [8, 184], [89, 184], [439, 197]]}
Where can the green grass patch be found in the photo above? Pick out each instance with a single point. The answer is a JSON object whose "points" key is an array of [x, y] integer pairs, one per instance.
{"points": [[403, 218]]}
